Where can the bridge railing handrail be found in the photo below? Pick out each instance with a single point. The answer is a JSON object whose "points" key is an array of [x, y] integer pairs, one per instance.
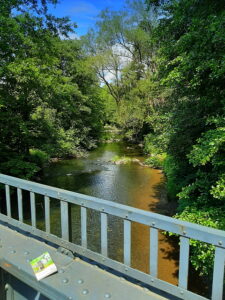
{"points": [[176, 226], [156, 222]]}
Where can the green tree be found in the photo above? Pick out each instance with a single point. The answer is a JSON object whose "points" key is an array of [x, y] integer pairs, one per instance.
{"points": [[191, 63], [49, 100], [123, 56]]}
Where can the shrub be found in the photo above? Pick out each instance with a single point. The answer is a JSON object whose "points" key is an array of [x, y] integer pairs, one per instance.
{"points": [[156, 160]]}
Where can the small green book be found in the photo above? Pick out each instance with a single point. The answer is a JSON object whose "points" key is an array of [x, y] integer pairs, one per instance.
{"points": [[43, 266]]}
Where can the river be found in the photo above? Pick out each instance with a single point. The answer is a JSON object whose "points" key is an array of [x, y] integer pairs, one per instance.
{"points": [[130, 184]]}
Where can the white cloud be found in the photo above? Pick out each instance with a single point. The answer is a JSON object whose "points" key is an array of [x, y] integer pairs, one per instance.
{"points": [[109, 76], [71, 36], [74, 36], [125, 55]]}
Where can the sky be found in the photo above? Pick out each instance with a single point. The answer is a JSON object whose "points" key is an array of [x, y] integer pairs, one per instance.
{"points": [[83, 12]]}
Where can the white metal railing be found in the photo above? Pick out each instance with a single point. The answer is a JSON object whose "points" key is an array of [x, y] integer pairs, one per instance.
{"points": [[156, 222]]}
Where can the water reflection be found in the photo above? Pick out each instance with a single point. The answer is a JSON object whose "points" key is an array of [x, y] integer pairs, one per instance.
{"points": [[130, 184]]}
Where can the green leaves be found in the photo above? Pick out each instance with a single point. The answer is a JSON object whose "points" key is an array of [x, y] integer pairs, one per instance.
{"points": [[218, 191], [50, 104], [19, 167], [190, 57], [202, 254], [207, 147]]}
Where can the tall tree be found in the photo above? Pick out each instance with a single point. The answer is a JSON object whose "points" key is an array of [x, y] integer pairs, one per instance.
{"points": [[191, 56], [123, 55], [48, 100]]}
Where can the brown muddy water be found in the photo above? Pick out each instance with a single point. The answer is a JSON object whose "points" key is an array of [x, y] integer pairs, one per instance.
{"points": [[130, 184]]}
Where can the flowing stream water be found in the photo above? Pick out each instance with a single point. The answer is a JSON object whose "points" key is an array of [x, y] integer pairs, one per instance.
{"points": [[130, 184]]}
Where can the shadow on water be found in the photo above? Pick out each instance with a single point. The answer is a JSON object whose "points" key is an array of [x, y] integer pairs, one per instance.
{"points": [[169, 245], [162, 205]]}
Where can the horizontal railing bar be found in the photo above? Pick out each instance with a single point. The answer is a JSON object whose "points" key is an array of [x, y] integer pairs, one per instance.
{"points": [[145, 278], [183, 228]]}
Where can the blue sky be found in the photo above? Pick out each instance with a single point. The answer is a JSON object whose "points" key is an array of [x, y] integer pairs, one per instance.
{"points": [[83, 12]]}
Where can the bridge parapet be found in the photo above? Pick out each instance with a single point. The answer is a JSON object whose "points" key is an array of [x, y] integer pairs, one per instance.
{"points": [[154, 221]]}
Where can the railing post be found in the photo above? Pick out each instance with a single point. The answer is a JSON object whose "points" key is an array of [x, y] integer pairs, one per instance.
{"points": [[84, 227], [20, 204], [70, 221], [64, 220], [104, 235], [127, 242], [33, 209], [154, 252], [8, 201], [47, 215], [184, 262], [218, 274]]}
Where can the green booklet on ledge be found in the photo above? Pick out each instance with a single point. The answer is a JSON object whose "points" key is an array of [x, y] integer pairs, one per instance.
{"points": [[43, 266]]}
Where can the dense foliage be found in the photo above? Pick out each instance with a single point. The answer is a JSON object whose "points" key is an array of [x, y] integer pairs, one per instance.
{"points": [[192, 64], [162, 71], [163, 64], [49, 101], [123, 56]]}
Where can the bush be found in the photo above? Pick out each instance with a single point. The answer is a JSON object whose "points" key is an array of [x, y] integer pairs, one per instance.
{"points": [[38, 157], [19, 167], [202, 254], [173, 183], [156, 160]]}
